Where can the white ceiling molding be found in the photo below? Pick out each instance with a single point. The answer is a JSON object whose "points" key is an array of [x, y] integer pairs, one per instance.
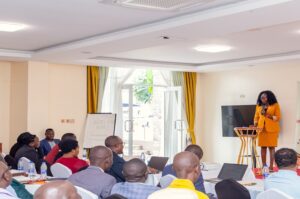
{"points": [[251, 61], [15, 54], [115, 62], [164, 24]]}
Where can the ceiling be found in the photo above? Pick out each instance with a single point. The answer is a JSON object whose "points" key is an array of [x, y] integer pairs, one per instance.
{"points": [[91, 32]]}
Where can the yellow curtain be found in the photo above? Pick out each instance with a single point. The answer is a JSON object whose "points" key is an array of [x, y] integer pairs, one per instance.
{"points": [[92, 88], [190, 80]]}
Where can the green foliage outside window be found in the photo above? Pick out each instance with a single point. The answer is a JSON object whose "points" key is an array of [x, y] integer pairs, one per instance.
{"points": [[143, 89]]}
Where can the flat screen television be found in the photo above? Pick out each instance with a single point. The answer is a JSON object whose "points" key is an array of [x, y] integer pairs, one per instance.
{"points": [[236, 116]]}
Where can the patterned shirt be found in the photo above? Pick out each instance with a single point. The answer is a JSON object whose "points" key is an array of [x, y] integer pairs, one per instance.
{"points": [[132, 190]]}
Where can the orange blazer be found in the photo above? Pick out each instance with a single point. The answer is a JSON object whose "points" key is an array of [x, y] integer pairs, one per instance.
{"points": [[270, 125]]}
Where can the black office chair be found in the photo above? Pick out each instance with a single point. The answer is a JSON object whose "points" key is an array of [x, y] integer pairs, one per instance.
{"points": [[11, 161], [115, 196], [230, 189]]}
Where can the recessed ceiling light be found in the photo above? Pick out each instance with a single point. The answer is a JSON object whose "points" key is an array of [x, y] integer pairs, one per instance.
{"points": [[11, 27], [212, 48], [86, 52]]}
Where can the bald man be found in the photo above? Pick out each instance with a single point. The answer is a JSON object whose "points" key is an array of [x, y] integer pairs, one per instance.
{"points": [[57, 190], [135, 172], [94, 177], [187, 169], [196, 149], [5, 181], [116, 144]]}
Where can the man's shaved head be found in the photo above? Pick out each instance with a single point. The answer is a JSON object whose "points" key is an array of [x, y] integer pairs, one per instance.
{"points": [[115, 143], [5, 175], [135, 170], [186, 166], [101, 156], [60, 189]]}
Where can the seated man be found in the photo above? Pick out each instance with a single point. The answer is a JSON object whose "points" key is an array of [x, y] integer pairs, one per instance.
{"points": [[199, 184], [115, 143], [94, 178], [286, 179], [70, 150], [186, 167], [5, 181], [49, 142], [54, 154], [135, 172], [57, 190]]}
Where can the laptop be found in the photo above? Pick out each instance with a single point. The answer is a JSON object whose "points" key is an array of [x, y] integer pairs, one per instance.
{"points": [[230, 171], [158, 163]]}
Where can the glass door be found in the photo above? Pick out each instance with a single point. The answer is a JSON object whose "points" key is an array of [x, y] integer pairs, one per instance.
{"points": [[143, 121], [174, 137]]}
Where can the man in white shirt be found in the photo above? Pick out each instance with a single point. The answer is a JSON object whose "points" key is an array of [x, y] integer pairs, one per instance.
{"points": [[5, 180], [286, 179]]}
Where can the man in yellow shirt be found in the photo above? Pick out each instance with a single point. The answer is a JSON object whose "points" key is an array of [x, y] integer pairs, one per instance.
{"points": [[187, 169]]}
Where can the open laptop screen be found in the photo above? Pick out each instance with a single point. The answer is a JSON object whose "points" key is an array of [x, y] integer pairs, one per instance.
{"points": [[232, 171]]}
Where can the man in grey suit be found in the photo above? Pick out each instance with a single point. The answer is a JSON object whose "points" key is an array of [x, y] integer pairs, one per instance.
{"points": [[94, 178]]}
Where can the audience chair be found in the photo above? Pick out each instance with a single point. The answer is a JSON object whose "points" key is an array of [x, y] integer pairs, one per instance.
{"points": [[172, 193], [11, 161], [85, 194], [60, 171], [26, 163], [273, 194], [166, 180], [115, 196], [230, 189]]}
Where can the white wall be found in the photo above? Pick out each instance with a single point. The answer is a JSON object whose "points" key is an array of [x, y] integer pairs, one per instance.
{"points": [[228, 88], [4, 103], [39, 95], [67, 98]]}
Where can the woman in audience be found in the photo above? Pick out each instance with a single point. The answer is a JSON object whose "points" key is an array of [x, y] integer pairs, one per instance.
{"points": [[70, 150], [20, 142], [31, 151]]}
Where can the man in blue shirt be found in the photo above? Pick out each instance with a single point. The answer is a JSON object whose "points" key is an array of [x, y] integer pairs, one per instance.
{"points": [[116, 145], [135, 172], [49, 142], [199, 184], [286, 179]]}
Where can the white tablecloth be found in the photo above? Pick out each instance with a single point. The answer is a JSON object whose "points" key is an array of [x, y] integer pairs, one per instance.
{"points": [[213, 173]]}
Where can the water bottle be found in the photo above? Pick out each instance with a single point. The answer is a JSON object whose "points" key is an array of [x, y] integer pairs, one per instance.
{"points": [[143, 157], [44, 171], [265, 171], [31, 170], [84, 156], [20, 165]]}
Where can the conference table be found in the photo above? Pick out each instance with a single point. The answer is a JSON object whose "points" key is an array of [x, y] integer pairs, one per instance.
{"points": [[255, 186], [210, 171]]}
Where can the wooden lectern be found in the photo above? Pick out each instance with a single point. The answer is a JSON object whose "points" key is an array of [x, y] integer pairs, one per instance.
{"points": [[248, 137]]}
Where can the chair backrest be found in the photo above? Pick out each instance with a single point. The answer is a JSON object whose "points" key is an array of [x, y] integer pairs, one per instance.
{"points": [[174, 194], [85, 194], [26, 163], [236, 190], [166, 180], [60, 171], [273, 194], [11, 161]]}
